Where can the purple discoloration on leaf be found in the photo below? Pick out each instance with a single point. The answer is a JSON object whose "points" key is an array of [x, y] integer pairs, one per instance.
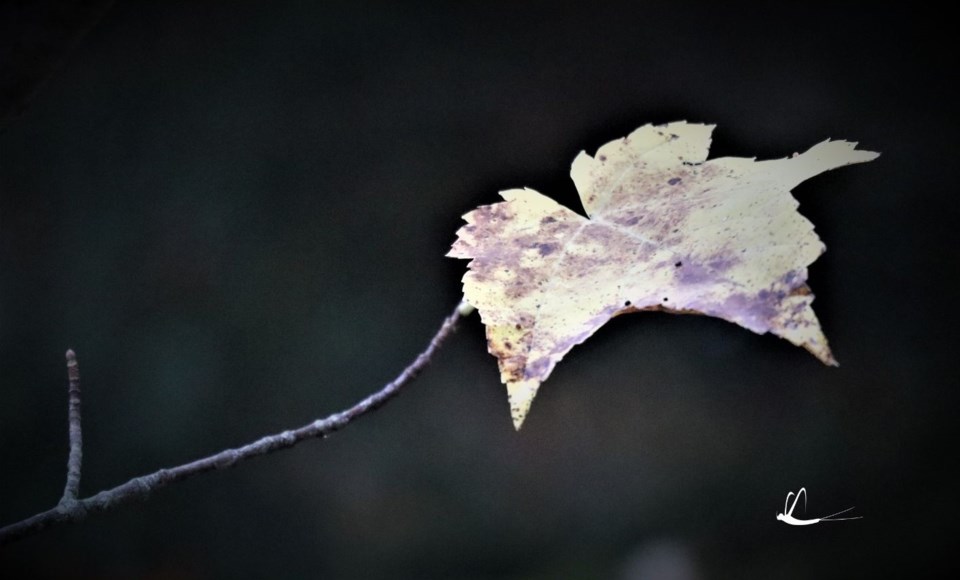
{"points": [[537, 367], [753, 312], [666, 230], [546, 249], [691, 271], [794, 278], [721, 264]]}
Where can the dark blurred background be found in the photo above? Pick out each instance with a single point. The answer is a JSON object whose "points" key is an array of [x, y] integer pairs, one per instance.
{"points": [[237, 214]]}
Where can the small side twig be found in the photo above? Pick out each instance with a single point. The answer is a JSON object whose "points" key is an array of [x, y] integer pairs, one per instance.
{"points": [[71, 509], [72, 487]]}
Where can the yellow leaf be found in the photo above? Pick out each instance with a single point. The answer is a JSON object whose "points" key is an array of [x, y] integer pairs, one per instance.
{"points": [[666, 230]]}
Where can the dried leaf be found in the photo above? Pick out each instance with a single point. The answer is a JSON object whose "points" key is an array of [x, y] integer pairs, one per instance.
{"points": [[667, 230]]}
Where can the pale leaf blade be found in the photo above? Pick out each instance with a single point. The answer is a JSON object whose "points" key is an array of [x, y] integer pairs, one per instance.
{"points": [[666, 230]]}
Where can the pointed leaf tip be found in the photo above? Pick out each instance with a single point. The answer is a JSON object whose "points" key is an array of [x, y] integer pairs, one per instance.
{"points": [[520, 395]]}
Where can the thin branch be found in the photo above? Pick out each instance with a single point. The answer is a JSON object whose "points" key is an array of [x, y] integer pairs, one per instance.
{"points": [[143, 486], [72, 488]]}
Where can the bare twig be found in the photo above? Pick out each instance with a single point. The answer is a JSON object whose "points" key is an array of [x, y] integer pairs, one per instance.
{"points": [[71, 509], [72, 488]]}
